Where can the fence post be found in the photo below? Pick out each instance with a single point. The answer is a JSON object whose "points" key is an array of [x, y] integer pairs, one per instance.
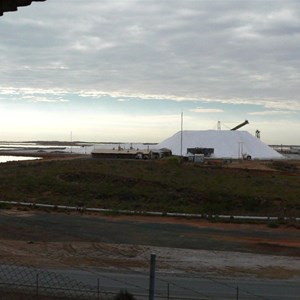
{"points": [[152, 277], [37, 284], [168, 291], [98, 289], [237, 293]]}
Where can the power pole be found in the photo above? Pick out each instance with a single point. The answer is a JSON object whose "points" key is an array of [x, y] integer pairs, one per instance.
{"points": [[71, 135], [181, 134]]}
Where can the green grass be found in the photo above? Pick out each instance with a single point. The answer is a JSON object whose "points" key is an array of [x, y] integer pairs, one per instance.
{"points": [[165, 186]]}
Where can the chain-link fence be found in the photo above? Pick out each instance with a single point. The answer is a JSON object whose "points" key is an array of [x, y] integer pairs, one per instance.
{"points": [[23, 282], [16, 280]]}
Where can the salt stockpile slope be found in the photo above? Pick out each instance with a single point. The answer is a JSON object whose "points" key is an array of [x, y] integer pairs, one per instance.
{"points": [[226, 144]]}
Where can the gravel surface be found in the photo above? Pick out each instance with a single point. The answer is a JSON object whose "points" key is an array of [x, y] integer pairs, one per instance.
{"points": [[63, 240]]}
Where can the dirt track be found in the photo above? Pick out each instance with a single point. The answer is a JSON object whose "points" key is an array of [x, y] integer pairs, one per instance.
{"points": [[122, 242]]}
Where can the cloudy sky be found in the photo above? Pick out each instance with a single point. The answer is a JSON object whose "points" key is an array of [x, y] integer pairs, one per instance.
{"points": [[124, 70]]}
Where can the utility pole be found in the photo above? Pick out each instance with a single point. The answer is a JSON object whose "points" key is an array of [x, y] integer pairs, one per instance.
{"points": [[152, 277], [181, 134], [71, 135]]}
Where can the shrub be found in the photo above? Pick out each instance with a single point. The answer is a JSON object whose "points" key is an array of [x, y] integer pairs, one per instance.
{"points": [[124, 295], [273, 224], [284, 166]]}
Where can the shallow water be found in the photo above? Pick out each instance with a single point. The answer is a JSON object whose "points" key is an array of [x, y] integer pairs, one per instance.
{"points": [[6, 158]]}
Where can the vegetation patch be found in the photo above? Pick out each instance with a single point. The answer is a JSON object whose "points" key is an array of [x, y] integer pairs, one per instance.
{"points": [[287, 166], [166, 186]]}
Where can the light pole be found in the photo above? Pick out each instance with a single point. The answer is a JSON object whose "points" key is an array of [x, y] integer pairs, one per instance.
{"points": [[181, 134]]}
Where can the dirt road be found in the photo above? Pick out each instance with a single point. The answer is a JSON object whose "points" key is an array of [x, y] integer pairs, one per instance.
{"points": [[126, 242]]}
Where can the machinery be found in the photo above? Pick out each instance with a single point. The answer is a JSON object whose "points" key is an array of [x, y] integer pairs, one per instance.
{"points": [[207, 152], [240, 125]]}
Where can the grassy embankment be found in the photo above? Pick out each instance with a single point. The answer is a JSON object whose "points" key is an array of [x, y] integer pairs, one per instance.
{"points": [[165, 186]]}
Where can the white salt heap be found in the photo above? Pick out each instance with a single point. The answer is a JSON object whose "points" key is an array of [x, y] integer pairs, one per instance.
{"points": [[226, 144]]}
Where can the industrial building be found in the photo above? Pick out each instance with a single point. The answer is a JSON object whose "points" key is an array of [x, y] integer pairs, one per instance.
{"points": [[131, 153]]}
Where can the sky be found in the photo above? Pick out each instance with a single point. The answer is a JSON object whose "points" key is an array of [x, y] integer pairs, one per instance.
{"points": [[125, 70]]}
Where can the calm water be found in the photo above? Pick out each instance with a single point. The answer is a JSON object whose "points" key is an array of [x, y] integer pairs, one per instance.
{"points": [[5, 158], [87, 148], [28, 146]]}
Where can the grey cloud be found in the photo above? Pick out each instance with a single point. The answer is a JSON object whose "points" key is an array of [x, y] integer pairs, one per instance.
{"points": [[186, 48]]}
